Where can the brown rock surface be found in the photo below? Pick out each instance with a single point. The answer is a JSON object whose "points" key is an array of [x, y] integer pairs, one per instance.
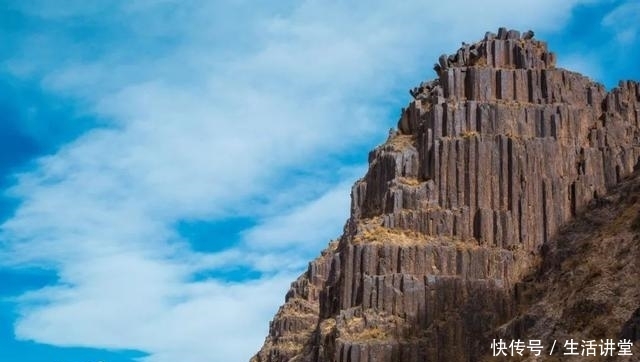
{"points": [[491, 160], [586, 287]]}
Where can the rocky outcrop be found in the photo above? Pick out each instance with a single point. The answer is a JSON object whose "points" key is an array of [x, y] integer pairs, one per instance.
{"points": [[586, 287], [490, 160]]}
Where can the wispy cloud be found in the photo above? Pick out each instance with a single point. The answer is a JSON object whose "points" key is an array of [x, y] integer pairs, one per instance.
{"points": [[624, 21], [213, 111], [583, 64]]}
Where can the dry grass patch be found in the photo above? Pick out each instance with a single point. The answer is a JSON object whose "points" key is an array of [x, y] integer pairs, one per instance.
{"points": [[327, 326], [469, 134], [380, 234], [372, 333], [399, 142], [410, 181]]}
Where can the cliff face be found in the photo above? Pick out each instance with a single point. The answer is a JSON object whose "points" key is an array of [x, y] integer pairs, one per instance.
{"points": [[586, 287], [490, 161]]}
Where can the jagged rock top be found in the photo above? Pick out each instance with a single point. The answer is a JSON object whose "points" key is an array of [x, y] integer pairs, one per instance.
{"points": [[506, 68], [507, 49]]}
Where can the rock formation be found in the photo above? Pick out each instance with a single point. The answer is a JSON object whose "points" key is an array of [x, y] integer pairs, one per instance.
{"points": [[490, 161]]}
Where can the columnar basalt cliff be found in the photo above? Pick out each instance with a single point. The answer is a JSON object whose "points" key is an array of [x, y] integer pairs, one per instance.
{"points": [[488, 162]]}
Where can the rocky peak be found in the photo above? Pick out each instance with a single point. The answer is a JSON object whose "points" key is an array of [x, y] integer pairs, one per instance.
{"points": [[506, 50], [489, 161]]}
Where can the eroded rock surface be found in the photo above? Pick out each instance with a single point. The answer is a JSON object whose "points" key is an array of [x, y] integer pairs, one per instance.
{"points": [[490, 160]]}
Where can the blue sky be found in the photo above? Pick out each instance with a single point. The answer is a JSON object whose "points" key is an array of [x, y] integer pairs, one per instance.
{"points": [[169, 167]]}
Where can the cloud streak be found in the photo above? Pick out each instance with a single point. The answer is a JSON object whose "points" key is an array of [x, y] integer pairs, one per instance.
{"points": [[623, 20]]}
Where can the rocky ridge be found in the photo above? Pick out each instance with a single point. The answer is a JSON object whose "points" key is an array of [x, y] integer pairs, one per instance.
{"points": [[490, 160]]}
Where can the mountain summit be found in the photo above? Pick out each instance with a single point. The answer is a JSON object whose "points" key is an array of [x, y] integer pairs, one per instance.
{"points": [[495, 211]]}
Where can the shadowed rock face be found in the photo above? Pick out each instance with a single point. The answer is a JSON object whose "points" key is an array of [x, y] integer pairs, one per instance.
{"points": [[489, 161]]}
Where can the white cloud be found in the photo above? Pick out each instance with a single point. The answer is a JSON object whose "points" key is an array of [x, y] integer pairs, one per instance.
{"points": [[624, 21], [215, 111], [176, 321], [292, 229], [583, 64]]}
